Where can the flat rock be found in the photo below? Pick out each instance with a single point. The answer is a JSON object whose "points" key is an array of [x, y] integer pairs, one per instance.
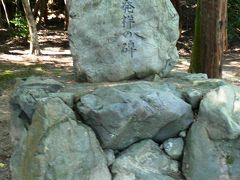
{"points": [[123, 115], [57, 147], [117, 40]]}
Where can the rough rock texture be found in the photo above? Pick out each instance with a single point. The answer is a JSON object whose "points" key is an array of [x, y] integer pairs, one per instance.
{"points": [[182, 134], [193, 97], [109, 153], [185, 83], [112, 42], [196, 77], [213, 143], [124, 115], [24, 99], [56, 147], [143, 161], [67, 98], [29, 91], [174, 147]]}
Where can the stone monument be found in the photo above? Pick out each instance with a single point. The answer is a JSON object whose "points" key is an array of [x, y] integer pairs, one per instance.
{"points": [[122, 39], [183, 126]]}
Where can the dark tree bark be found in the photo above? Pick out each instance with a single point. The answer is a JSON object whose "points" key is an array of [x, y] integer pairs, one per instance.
{"points": [[66, 22], [36, 8], [178, 6], [209, 38], [34, 45], [225, 32], [41, 10], [44, 11]]}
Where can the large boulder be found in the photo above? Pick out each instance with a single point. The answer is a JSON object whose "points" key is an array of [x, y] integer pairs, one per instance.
{"points": [[126, 114], [213, 144], [24, 99], [116, 40], [57, 147], [145, 161]]}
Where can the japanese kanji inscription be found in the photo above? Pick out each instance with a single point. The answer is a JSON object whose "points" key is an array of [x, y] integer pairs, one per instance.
{"points": [[127, 23]]}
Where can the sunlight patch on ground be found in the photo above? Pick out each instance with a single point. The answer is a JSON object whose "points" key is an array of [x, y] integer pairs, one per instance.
{"points": [[235, 63], [52, 37], [236, 49], [55, 51], [182, 65], [7, 72], [59, 59], [20, 52], [44, 51]]}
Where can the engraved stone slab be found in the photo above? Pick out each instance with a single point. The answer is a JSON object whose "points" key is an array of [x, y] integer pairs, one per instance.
{"points": [[122, 39]]}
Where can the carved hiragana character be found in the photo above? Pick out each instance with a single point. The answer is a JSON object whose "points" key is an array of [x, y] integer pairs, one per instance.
{"points": [[127, 34], [127, 6]]}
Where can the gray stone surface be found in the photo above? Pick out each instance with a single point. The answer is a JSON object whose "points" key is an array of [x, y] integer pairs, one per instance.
{"points": [[57, 147], [212, 149], [221, 108], [145, 161], [174, 147], [185, 83], [193, 97], [109, 153], [24, 99], [123, 115], [182, 134], [196, 77], [66, 97], [102, 48], [27, 93]]}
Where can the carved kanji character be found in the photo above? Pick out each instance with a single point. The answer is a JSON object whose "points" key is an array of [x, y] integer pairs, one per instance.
{"points": [[128, 20], [127, 6], [129, 47]]}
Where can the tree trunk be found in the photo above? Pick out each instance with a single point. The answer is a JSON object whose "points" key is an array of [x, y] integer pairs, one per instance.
{"points": [[225, 32], [196, 61], [34, 45], [43, 12], [66, 21], [209, 38], [5, 11], [36, 8]]}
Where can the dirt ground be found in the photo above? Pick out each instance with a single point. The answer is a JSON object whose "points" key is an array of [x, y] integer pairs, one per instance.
{"points": [[56, 62]]}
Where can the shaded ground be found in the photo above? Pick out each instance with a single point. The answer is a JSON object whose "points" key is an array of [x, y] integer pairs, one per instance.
{"points": [[56, 62]]}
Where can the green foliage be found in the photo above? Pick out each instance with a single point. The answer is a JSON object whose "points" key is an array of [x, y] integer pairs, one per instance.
{"points": [[233, 20], [20, 26]]}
